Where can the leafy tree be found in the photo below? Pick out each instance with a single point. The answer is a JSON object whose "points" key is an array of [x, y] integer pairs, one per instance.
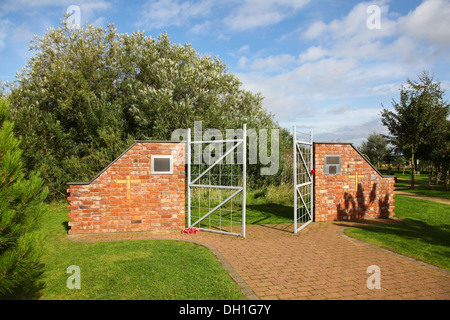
{"points": [[375, 148], [21, 204], [87, 93], [418, 124]]}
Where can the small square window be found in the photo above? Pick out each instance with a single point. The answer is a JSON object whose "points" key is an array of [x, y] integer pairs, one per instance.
{"points": [[162, 165], [332, 164]]}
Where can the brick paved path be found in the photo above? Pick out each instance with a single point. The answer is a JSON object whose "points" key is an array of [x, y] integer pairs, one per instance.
{"points": [[318, 263]]}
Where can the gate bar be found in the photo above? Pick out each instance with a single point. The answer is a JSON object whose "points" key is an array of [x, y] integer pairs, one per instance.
{"points": [[303, 184], [215, 187]]}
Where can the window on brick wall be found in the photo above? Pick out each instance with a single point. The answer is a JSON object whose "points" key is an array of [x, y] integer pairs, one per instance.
{"points": [[332, 164], [162, 164]]}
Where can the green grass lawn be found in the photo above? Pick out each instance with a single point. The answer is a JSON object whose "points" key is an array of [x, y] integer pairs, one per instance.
{"points": [[139, 269], [424, 233], [172, 270], [421, 186], [131, 270]]}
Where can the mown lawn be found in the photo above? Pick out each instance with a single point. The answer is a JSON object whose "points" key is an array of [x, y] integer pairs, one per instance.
{"points": [[421, 186], [424, 233], [169, 270], [129, 270]]}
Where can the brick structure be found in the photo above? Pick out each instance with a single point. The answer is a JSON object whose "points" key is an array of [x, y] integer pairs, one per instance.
{"points": [[347, 186], [129, 196]]}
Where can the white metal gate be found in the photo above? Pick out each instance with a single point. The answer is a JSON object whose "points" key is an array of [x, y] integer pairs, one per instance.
{"points": [[216, 187], [303, 179]]}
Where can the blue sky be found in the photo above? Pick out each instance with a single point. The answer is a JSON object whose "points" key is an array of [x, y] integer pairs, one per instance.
{"points": [[322, 65]]}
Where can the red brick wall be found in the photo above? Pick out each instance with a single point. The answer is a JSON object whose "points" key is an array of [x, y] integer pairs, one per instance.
{"points": [[127, 197], [338, 197]]}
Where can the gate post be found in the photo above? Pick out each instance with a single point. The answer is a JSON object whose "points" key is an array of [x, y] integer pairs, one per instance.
{"points": [[294, 143], [244, 178], [188, 162], [312, 176]]}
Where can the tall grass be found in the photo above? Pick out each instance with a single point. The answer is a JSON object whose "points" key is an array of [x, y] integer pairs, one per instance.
{"points": [[271, 204], [282, 194]]}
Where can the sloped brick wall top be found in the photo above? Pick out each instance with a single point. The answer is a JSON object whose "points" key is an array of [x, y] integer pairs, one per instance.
{"points": [[359, 191], [126, 196]]}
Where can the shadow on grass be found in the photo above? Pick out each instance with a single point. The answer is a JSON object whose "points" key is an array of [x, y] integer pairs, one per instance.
{"points": [[66, 226], [410, 229], [275, 216]]}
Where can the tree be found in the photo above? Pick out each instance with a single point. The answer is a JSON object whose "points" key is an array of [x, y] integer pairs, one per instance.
{"points": [[375, 148], [445, 163], [21, 205], [87, 93], [418, 124]]}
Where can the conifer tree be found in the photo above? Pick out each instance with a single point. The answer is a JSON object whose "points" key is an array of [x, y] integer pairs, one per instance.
{"points": [[21, 205]]}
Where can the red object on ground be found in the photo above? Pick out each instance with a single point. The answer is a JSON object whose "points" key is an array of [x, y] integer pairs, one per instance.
{"points": [[190, 230]]}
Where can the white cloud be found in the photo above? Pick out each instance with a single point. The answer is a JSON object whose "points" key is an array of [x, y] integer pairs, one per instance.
{"points": [[22, 33], [36, 16], [430, 21], [338, 83], [257, 13], [338, 110], [33, 7], [353, 25], [242, 63], [4, 27], [273, 63], [354, 132], [315, 30], [313, 53], [201, 28], [164, 13], [244, 48]]}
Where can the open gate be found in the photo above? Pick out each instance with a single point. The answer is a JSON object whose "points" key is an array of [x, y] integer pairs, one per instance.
{"points": [[303, 179], [216, 187]]}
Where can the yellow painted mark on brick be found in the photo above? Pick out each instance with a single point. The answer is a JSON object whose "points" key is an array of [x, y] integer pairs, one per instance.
{"points": [[356, 175], [128, 182]]}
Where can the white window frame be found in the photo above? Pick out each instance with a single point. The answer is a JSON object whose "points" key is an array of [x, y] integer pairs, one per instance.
{"points": [[162, 157]]}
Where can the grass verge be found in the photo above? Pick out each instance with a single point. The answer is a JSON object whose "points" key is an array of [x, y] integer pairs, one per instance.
{"points": [[424, 233], [129, 270]]}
